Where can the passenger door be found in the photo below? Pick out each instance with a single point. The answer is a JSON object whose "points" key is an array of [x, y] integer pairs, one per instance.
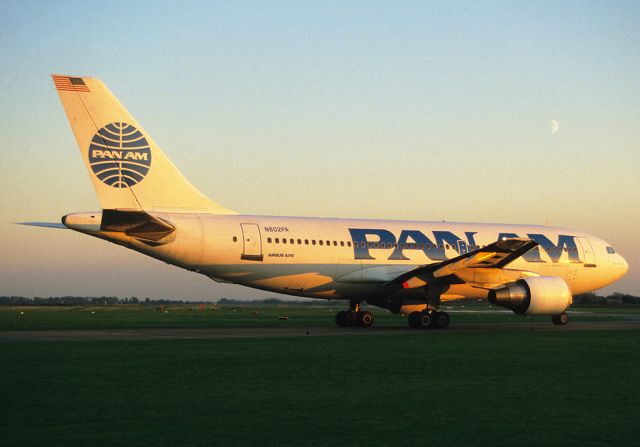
{"points": [[251, 242]]}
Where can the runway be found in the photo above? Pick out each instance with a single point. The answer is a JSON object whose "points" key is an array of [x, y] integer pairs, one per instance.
{"points": [[314, 331]]}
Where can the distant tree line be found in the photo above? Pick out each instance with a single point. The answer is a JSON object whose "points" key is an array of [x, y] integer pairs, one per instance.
{"points": [[585, 299], [274, 301], [112, 300], [80, 301], [592, 299]]}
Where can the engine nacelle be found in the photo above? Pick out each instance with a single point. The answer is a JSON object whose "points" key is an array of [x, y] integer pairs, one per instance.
{"points": [[540, 295]]}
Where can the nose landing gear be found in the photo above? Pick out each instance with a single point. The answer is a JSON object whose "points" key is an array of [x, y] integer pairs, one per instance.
{"points": [[561, 319]]}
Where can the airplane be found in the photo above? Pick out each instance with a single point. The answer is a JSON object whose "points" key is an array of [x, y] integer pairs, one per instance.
{"points": [[407, 267]]}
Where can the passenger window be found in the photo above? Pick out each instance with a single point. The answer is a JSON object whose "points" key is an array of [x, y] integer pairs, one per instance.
{"points": [[348, 244], [313, 242], [292, 241], [320, 242], [235, 239], [299, 242], [306, 242], [342, 243], [284, 241], [277, 241], [269, 240]]}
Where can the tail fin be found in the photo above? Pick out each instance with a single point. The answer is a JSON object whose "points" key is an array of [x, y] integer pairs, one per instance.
{"points": [[127, 168]]}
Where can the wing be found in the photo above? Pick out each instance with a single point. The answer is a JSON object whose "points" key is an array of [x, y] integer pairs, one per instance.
{"points": [[493, 256]]}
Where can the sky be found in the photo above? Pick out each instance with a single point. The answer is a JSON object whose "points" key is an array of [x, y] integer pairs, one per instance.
{"points": [[508, 112]]}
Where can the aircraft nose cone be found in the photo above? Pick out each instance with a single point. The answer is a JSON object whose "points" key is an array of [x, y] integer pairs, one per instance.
{"points": [[625, 266]]}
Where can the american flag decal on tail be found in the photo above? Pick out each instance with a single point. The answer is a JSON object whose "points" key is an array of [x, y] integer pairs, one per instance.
{"points": [[69, 84]]}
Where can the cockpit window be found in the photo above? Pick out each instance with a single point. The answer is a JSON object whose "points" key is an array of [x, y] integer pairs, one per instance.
{"points": [[611, 250]]}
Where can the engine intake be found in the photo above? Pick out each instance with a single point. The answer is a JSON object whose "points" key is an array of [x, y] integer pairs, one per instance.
{"points": [[541, 295]]}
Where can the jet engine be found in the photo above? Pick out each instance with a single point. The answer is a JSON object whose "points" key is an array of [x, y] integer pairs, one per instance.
{"points": [[540, 295]]}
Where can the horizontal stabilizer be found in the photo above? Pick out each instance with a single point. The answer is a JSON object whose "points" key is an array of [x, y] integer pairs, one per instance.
{"points": [[136, 223], [44, 224]]}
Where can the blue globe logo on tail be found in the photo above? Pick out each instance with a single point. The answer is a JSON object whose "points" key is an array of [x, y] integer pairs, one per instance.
{"points": [[119, 155]]}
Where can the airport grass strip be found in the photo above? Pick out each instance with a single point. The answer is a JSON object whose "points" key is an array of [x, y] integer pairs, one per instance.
{"points": [[486, 388], [184, 316]]}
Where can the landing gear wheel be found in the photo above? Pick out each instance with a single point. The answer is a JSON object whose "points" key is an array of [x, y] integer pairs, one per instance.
{"points": [[414, 320], [350, 318], [441, 320], [341, 318], [426, 320], [423, 320], [561, 319], [366, 318]]}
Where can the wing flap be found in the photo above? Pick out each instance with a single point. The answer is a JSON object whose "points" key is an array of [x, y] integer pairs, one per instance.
{"points": [[494, 256]]}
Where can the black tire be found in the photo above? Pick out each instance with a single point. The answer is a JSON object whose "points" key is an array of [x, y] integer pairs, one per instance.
{"points": [[350, 318], [441, 320], [560, 320], [341, 318], [414, 320], [426, 320], [366, 319]]}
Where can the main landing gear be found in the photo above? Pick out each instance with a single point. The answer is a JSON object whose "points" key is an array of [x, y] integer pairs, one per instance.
{"points": [[429, 319], [355, 316]]}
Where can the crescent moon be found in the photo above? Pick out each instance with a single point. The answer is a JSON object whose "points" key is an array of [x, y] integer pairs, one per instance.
{"points": [[555, 126]]}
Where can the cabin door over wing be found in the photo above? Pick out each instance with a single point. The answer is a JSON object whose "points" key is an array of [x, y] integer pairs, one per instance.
{"points": [[251, 242]]}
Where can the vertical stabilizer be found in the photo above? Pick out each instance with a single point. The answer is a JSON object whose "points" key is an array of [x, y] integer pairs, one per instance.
{"points": [[127, 168]]}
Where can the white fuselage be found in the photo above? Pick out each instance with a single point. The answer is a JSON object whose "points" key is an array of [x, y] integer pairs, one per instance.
{"points": [[355, 259]]}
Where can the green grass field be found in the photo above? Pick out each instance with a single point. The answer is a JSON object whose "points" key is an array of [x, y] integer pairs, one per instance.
{"points": [[419, 388], [190, 316]]}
